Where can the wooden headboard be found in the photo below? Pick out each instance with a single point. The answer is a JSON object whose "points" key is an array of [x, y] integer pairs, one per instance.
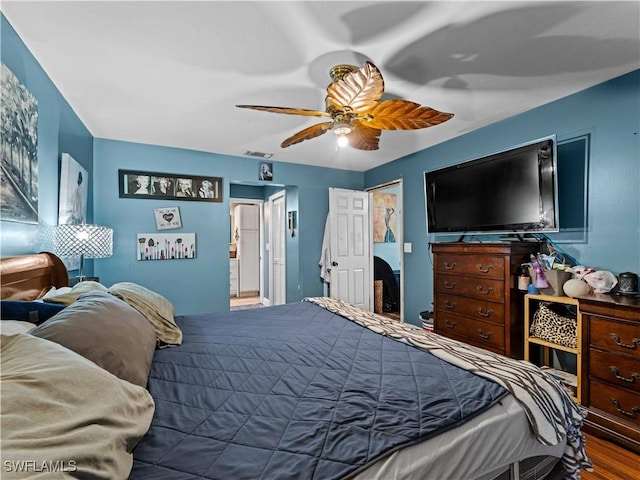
{"points": [[28, 277]]}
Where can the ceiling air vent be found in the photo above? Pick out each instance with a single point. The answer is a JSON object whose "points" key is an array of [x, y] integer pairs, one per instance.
{"points": [[258, 154]]}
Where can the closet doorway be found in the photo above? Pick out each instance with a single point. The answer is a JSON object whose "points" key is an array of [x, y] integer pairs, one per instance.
{"points": [[246, 253], [388, 249]]}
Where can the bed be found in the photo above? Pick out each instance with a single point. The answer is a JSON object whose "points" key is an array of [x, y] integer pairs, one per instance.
{"points": [[123, 388]]}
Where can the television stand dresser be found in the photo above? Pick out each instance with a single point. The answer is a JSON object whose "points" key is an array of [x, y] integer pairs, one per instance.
{"points": [[476, 299]]}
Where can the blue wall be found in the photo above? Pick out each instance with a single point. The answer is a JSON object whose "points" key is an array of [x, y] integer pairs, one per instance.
{"points": [[59, 130], [202, 285], [610, 112]]}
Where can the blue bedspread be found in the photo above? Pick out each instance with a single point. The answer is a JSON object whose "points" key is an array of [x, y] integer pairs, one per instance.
{"points": [[294, 392]]}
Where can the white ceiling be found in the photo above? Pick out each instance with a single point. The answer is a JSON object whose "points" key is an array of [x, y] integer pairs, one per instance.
{"points": [[171, 73]]}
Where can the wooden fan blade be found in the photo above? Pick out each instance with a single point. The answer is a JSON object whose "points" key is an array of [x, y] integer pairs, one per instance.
{"points": [[308, 133], [404, 115], [363, 137], [287, 110], [358, 90]]}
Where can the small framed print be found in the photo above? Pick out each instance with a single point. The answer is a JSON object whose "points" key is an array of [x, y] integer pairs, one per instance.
{"points": [[168, 218], [266, 172]]}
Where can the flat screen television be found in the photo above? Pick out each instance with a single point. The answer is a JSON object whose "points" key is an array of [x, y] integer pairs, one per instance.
{"points": [[512, 192]]}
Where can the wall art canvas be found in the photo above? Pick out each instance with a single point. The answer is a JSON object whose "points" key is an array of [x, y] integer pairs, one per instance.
{"points": [[166, 246], [385, 206], [168, 218], [74, 191], [72, 203], [18, 150]]}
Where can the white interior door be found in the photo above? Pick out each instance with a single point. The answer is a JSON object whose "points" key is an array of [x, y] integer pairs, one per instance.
{"points": [[351, 278], [277, 250]]}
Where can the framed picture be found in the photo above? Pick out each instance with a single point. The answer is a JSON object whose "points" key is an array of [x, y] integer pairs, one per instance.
{"points": [[74, 188], [72, 204], [168, 218], [385, 206], [266, 171], [19, 146], [166, 246], [153, 185]]}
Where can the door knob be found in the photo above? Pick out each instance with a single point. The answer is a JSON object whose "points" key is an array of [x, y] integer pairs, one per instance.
{"points": [[334, 264]]}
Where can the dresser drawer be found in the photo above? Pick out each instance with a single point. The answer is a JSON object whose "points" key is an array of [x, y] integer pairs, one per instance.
{"points": [[481, 265], [478, 332], [483, 345], [618, 337], [482, 288], [478, 309], [618, 370], [615, 401]]}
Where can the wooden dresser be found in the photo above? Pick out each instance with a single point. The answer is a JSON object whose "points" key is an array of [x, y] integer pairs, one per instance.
{"points": [[611, 367], [476, 299]]}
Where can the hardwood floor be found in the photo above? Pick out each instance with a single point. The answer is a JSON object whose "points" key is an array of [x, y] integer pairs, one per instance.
{"points": [[240, 303], [610, 462]]}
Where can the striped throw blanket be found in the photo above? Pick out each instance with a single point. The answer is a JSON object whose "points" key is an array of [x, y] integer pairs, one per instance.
{"points": [[552, 414]]}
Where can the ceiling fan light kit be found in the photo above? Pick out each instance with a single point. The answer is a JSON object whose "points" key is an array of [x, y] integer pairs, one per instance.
{"points": [[357, 114]]}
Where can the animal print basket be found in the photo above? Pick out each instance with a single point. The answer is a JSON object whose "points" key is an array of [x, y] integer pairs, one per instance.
{"points": [[553, 327]]}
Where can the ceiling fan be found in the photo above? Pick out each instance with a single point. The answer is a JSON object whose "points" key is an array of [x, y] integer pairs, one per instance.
{"points": [[357, 114]]}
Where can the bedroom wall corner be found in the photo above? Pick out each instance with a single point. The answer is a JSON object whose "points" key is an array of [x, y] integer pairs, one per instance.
{"points": [[59, 130]]}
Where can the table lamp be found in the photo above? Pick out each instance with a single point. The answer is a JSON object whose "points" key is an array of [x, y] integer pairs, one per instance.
{"points": [[85, 241]]}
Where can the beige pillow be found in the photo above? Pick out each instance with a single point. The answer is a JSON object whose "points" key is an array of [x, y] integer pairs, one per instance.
{"points": [[107, 331], [157, 309], [12, 327], [60, 409], [67, 296]]}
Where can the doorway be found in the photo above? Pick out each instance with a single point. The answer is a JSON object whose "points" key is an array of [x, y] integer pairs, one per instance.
{"points": [[387, 249], [246, 253], [372, 255]]}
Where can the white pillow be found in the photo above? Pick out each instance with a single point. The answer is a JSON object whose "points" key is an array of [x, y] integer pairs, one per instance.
{"points": [[66, 295], [53, 291]]}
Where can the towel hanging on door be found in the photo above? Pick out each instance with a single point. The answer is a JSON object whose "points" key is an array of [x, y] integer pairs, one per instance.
{"points": [[325, 255]]}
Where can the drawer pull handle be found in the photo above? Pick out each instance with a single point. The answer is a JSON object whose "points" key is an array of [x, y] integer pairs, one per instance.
{"points": [[487, 336], [484, 314], [449, 266], [633, 345], [449, 324], [633, 413], [484, 292], [484, 269], [616, 373], [449, 286], [450, 305]]}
